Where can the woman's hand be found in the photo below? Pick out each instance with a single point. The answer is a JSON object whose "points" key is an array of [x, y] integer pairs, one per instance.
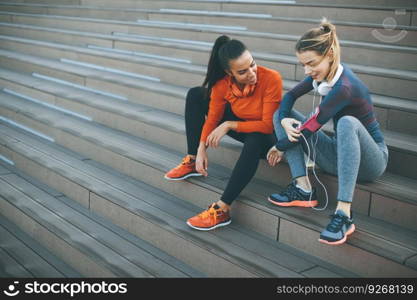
{"points": [[217, 134], [201, 160], [289, 126], [274, 156]]}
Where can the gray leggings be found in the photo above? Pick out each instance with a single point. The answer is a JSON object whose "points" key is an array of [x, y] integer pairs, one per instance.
{"points": [[352, 156]]}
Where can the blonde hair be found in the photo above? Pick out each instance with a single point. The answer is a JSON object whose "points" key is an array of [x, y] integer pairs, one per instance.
{"points": [[324, 41]]}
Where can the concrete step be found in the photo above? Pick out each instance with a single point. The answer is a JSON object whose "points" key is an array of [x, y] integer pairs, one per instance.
{"points": [[379, 33], [383, 3], [158, 217], [22, 256], [385, 31], [168, 130], [385, 247], [393, 113], [90, 244], [389, 82], [128, 117], [375, 14], [367, 54], [152, 93], [280, 43]]}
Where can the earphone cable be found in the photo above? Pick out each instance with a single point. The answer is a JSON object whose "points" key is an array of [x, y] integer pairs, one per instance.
{"points": [[314, 153]]}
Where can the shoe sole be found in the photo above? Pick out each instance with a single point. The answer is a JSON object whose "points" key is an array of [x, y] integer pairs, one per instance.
{"points": [[183, 177], [299, 203], [209, 228], [349, 232]]}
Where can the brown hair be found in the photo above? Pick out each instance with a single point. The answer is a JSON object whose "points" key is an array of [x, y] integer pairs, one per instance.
{"points": [[323, 40], [224, 50]]}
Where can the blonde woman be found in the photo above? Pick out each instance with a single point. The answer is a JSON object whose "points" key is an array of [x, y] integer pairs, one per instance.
{"points": [[357, 151]]}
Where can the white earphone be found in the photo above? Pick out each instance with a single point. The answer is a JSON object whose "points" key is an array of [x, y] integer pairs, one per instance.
{"points": [[325, 87]]}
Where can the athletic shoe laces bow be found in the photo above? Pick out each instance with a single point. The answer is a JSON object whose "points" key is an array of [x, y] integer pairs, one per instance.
{"points": [[209, 213]]}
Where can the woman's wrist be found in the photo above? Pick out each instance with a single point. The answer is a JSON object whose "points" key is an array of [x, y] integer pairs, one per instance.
{"points": [[230, 125], [202, 147]]}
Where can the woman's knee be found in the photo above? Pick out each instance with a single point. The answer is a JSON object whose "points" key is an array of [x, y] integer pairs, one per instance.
{"points": [[350, 121], [348, 124], [254, 140], [252, 148], [195, 94]]}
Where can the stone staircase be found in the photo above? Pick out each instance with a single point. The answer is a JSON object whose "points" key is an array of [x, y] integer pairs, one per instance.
{"points": [[91, 117]]}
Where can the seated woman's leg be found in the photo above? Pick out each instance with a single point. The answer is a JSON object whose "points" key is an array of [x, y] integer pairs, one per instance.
{"points": [[218, 214], [295, 155], [358, 157], [255, 146], [298, 192], [196, 108]]}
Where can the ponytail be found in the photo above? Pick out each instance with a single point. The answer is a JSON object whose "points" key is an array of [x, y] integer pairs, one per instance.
{"points": [[323, 40], [224, 50]]}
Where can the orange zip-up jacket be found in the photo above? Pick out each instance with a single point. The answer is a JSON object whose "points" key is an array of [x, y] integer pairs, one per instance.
{"points": [[256, 110]]}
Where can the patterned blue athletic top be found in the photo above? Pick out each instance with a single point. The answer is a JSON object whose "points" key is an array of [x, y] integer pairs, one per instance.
{"points": [[349, 96]]}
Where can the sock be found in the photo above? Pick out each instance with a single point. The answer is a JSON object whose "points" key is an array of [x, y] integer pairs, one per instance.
{"points": [[191, 159], [305, 191], [216, 206]]}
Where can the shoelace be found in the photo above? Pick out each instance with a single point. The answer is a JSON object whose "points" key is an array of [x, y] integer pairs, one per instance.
{"points": [[336, 223], [185, 160], [291, 192], [210, 212]]}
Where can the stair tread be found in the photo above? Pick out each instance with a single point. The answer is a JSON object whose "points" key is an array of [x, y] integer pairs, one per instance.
{"points": [[268, 35], [259, 2], [146, 152], [389, 184], [129, 223], [194, 12], [283, 58], [30, 254], [161, 119], [146, 84], [85, 222], [3, 170], [163, 219], [273, 2], [127, 192], [395, 73], [76, 237], [11, 267], [385, 101]]}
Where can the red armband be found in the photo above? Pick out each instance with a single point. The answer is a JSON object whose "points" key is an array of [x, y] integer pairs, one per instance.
{"points": [[311, 124]]}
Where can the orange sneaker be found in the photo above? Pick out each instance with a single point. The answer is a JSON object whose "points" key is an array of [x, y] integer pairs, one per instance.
{"points": [[184, 170], [209, 219]]}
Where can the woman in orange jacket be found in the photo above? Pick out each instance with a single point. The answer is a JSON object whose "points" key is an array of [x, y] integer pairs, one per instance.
{"points": [[237, 98]]}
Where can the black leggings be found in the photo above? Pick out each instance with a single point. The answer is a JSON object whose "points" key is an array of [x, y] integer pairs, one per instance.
{"points": [[255, 144]]}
